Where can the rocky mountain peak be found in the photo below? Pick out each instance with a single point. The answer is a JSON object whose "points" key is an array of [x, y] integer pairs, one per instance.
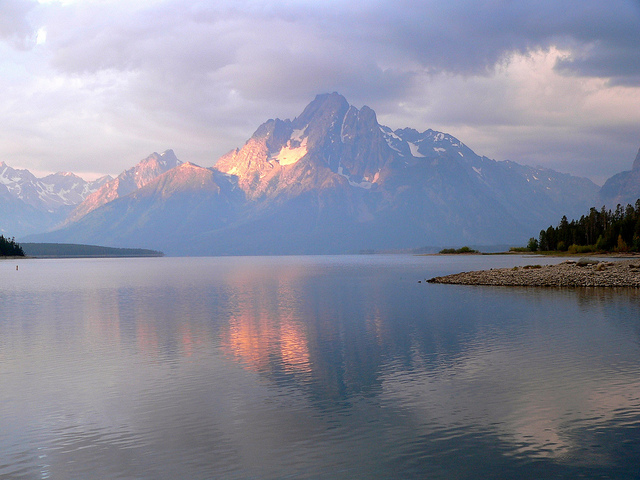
{"points": [[168, 157], [323, 108], [9, 174], [186, 177], [328, 135], [49, 193], [150, 167], [62, 176], [331, 180], [128, 181], [31, 204]]}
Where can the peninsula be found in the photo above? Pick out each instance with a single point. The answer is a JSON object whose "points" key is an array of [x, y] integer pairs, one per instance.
{"points": [[586, 272]]}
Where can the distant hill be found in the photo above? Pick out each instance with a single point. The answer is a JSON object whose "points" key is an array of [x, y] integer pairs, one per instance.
{"points": [[60, 250]]}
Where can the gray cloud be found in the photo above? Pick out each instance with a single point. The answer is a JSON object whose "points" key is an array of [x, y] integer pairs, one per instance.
{"points": [[200, 76], [619, 62], [469, 37], [289, 51], [15, 27]]}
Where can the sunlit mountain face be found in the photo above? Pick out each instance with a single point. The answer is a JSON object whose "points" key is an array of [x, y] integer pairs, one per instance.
{"points": [[127, 182], [332, 180]]}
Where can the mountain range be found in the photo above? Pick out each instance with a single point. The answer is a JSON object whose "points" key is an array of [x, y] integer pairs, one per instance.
{"points": [[29, 204], [332, 180]]}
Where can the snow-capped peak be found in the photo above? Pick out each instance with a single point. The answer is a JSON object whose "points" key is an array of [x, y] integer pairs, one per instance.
{"points": [[48, 193]]}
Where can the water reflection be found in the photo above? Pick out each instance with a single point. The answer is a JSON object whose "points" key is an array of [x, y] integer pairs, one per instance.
{"points": [[311, 367], [544, 371], [264, 329]]}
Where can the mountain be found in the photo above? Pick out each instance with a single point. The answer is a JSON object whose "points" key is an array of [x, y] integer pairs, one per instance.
{"points": [[127, 182], [332, 180], [29, 204], [165, 212], [623, 188]]}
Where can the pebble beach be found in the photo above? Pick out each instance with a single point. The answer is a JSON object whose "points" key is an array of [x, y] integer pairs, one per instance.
{"points": [[585, 272]]}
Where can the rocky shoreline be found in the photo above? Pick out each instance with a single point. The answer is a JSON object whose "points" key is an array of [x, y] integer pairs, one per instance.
{"points": [[586, 272]]}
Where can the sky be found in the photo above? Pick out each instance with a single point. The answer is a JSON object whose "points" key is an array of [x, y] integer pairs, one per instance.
{"points": [[94, 86]]}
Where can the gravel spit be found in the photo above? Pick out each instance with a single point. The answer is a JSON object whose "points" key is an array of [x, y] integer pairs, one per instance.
{"points": [[585, 272]]}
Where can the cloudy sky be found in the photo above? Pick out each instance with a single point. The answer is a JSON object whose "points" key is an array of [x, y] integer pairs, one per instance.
{"points": [[93, 86]]}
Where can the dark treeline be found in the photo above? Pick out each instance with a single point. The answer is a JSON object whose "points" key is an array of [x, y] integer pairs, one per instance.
{"points": [[61, 250], [9, 248], [601, 230]]}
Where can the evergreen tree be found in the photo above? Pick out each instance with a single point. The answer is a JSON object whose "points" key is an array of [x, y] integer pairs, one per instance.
{"points": [[9, 248], [602, 230]]}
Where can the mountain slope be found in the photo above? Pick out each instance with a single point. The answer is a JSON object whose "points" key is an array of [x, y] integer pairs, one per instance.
{"points": [[623, 188], [332, 180], [391, 189], [162, 214], [128, 181]]}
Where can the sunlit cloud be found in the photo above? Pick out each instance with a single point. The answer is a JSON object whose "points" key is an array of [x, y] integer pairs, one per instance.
{"points": [[41, 36]]}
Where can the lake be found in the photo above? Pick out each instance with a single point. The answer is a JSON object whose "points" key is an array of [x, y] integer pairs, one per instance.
{"points": [[333, 367]]}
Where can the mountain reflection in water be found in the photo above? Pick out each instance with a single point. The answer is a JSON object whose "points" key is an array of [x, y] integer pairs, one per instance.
{"points": [[340, 367]]}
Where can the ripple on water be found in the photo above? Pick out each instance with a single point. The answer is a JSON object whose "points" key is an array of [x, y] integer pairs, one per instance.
{"points": [[311, 368]]}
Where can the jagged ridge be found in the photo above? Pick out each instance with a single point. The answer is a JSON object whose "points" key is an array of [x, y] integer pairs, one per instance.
{"points": [[331, 180]]}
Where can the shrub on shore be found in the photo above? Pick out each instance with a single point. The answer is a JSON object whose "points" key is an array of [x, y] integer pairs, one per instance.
{"points": [[459, 250], [577, 249]]}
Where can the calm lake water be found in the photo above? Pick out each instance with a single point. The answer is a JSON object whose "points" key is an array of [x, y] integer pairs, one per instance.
{"points": [[311, 367]]}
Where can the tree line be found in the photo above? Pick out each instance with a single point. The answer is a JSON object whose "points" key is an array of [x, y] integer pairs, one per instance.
{"points": [[9, 248], [601, 230]]}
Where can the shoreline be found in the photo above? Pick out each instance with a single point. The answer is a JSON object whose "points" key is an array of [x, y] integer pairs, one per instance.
{"points": [[586, 272]]}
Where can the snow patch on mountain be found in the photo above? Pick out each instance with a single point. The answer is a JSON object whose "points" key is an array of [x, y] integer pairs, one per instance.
{"points": [[294, 150], [289, 156], [8, 180], [389, 133], [365, 184], [414, 150], [296, 135], [392, 146], [345, 136], [394, 141]]}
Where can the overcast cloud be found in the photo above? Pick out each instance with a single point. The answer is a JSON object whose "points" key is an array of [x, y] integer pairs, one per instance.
{"points": [[93, 86]]}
